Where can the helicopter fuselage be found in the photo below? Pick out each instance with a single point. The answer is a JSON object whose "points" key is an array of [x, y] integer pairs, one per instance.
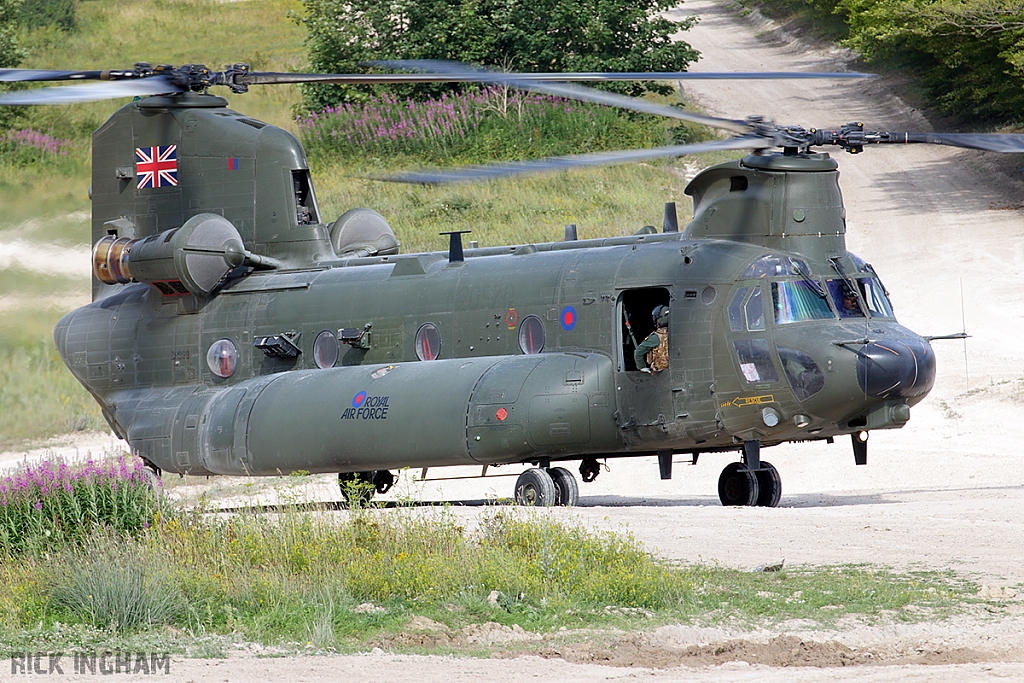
{"points": [[242, 338]]}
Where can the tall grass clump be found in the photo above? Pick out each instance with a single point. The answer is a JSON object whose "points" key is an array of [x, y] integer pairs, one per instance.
{"points": [[117, 586], [44, 506], [474, 126]]}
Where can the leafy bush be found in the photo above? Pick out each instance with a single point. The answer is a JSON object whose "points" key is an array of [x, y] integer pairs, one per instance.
{"points": [[483, 125], [61, 14], [531, 36], [43, 505]]}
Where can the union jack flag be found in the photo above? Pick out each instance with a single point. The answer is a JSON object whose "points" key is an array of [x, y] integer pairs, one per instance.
{"points": [[156, 166]]}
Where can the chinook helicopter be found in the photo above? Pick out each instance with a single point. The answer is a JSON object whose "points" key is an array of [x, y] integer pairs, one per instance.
{"points": [[234, 332]]}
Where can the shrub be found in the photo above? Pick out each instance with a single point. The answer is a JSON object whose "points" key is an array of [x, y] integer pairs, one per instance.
{"points": [[114, 585], [45, 505], [475, 126]]}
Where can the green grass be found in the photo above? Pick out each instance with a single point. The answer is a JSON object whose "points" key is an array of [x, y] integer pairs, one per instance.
{"points": [[344, 582], [40, 398]]}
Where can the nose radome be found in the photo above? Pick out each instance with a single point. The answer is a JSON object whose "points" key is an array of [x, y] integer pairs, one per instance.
{"points": [[902, 368]]}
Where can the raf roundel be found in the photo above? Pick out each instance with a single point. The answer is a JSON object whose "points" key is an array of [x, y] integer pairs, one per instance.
{"points": [[568, 318], [358, 399]]}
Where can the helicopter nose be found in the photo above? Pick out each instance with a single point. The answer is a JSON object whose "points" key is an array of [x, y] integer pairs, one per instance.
{"points": [[902, 368]]}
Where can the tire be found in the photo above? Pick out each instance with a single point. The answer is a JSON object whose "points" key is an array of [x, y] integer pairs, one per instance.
{"points": [[534, 487], [153, 482], [567, 491], [769, 485], [737, 485], [356, 488]]}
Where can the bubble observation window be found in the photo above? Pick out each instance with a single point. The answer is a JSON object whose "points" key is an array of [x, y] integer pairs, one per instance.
{"points": [[222, 358], [531, 334], [325, 349], [428, 342]]}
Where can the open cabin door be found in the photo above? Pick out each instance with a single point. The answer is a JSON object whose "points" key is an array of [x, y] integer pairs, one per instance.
{"points": [[644, 400]]}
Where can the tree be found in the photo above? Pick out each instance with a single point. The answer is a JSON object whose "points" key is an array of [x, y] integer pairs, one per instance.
{"points": [[530, 36]]}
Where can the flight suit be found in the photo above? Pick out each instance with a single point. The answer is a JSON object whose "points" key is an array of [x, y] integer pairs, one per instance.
{"points": [[653, 352]]}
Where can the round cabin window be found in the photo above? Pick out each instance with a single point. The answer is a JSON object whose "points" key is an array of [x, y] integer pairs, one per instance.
{"points": [[325, 349], [428, 342], [222, 358], [531, 334]]}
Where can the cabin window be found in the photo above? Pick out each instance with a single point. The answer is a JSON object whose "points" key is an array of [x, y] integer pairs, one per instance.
{"points": [[797, 300], [755, 360], [874, 296], [531, 335], [222, 358], [306, 212], [325, 349], [803, 373], [428, 342], [845, 299]]}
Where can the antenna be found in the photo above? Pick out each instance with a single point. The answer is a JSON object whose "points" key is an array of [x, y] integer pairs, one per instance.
{"points": [[963, 323], [455, 254], [671, 222]]}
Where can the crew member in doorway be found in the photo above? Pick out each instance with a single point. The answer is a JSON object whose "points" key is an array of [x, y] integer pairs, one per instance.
{"points": [[652, 354]]}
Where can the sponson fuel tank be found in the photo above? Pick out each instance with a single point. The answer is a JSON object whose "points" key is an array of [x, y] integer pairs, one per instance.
{"points": [[446, 412]]}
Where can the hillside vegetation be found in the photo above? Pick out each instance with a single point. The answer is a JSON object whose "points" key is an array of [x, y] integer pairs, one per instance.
{"points": [[968, 54]]}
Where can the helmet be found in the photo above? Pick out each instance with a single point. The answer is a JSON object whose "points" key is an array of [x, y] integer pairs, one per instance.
{"points": [[660, 315]]}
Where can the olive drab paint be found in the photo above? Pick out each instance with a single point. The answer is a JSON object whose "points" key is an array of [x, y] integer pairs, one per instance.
{"points": [[534, 357]]}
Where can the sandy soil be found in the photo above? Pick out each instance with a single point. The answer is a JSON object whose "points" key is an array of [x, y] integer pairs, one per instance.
{"points": [[945, 492]]}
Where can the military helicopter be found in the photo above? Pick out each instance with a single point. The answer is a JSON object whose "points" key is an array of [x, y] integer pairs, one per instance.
{"points": [[234, 332]]}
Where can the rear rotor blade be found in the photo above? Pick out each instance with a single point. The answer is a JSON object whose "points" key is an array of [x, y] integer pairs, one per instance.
{"points": [[23, 75], [89, 92], [500, 170], [566, 90]]}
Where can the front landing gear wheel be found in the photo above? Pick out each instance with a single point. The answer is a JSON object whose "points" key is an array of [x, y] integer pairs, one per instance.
{"points": [[769, 485], [737, 485], [536, 488], [356, 488], [153, 481], [567, 490]]}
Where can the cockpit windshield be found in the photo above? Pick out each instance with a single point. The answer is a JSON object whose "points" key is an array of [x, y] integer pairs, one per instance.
{"points": [[874, 296], [770, 264], [797, 300], [845, 299]]}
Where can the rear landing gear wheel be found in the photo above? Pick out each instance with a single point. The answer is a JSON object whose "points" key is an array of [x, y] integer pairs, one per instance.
{"points": [[567, 491], [737, 485], [535, 487], [769, 485]]}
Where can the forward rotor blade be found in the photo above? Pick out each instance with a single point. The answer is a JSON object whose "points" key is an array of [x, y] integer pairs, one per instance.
{"points": [[991, 142], [500, 170], [89, 92], [566, 90]]}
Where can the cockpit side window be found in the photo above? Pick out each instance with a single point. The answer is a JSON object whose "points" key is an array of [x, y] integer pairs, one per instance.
{"points": [[755, 311], [845, 299], [874, 296], [755, 360], [736, 309], [798, 300]]}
